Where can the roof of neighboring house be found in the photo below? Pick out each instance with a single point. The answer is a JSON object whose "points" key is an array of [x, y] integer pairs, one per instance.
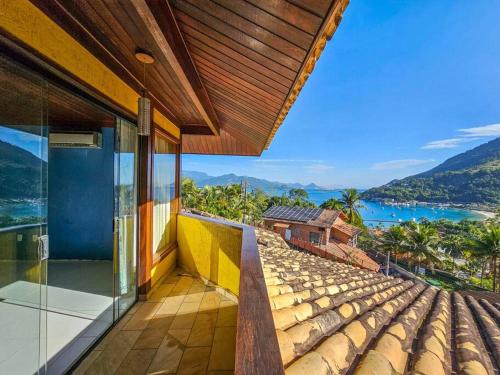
{"points": [[346, 228], [334, 318], [310, 216], [352, 255]]}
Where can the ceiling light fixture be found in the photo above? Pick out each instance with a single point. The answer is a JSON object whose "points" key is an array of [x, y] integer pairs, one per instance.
{"points": [[144, 104]]}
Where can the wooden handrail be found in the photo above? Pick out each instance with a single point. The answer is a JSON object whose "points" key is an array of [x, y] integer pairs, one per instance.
{"points": [[257, 349]]}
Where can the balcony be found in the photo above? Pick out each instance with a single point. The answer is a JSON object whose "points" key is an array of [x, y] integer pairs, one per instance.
{"points": [[209, 315]]}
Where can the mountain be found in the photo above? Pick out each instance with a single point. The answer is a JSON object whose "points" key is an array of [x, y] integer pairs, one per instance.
{"points": [[470, 178], [202, 179], [19, 173]]}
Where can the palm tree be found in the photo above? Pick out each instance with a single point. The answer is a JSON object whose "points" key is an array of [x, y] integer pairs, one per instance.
{"points": [[454, 246], [422, 243], [332, 204], [487, 244], [394, 241], [351, 203]]}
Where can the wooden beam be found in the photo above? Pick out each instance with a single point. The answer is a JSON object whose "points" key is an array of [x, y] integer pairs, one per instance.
{"points": [[146, 151], [167, 36], [197, 129]]}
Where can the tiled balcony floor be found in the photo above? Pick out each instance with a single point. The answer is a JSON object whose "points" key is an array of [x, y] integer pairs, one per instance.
{"points": [[185, 327]]}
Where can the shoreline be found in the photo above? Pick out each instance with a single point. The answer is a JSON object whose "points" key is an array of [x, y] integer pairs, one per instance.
{"points": [[485, 214]]}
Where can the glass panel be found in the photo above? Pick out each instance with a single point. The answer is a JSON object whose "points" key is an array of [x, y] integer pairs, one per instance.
{"points": [[126, 214], [164, 194], [80, 290], [23, 220]]}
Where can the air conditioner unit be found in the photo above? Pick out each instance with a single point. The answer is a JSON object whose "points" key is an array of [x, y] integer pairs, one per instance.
{"points": [[75, 140]]}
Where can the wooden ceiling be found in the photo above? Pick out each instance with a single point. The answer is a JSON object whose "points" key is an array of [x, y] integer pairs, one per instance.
{"points": [[226, 71]]}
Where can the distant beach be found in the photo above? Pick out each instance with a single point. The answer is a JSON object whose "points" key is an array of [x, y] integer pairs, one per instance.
{"points": [[486, 214]]}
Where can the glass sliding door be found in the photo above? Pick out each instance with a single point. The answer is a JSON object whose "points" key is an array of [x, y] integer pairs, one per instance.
{"points": [[125, 226], [23, 220]]}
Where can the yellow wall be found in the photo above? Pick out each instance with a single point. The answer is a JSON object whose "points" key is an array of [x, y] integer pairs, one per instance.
{"points": [[164, 267], [211, 250]]}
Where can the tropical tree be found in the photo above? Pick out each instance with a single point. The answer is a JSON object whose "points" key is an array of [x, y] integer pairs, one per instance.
{"points": [[332, 204], [394, 240], [190, 193], [351, 202], [421, 244], [453, 245], [487, 244]]}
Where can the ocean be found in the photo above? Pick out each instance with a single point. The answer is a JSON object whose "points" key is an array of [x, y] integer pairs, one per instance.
{"points": [[377, 213], [374, 213]]}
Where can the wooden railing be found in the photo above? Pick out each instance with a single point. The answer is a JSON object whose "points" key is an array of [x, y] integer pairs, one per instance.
{"points": [[257, 349]]}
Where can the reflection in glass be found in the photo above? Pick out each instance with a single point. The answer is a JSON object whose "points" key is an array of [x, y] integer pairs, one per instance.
{"points": [[125, 211], [164, 194], [23, 220]]}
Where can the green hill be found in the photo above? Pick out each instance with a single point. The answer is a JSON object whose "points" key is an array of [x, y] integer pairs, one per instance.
{"points": [[20, 173], [470, 178]]}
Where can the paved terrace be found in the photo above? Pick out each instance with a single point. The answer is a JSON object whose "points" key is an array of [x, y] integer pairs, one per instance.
{"points": [[332, 318], [186, 327]]}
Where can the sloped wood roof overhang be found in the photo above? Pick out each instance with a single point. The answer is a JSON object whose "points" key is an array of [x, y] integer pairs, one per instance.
{"points": [[226, 71]]}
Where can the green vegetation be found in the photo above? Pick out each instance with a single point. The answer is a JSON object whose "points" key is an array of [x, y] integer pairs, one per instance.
{"points": [[469, 249], [234, 203], [471, 178], [20, 173], [8, 221]]}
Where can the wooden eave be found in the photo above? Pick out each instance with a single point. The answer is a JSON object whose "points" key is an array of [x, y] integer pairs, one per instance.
{"points": [[226, 71], [254, 57]]}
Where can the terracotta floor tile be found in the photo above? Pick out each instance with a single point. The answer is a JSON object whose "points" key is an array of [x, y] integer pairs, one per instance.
{"points": [[223, 350], [142, 317], [194, 296], [180, 335], [87, 362], [161, 292], [114, 331], [136, 362], [210, 301], [167, 357], [160, 321], [183, 321], [228, 313], [111, 358], [194, 361], [188, 307], [182, 286], [170, 305], [151, 338], [203, 329]]}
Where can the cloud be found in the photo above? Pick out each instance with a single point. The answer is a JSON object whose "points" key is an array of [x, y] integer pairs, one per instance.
{"points": [[492, 130], [468, 135], [400, 164], [445, 143], [286, 161], [319, 167]]}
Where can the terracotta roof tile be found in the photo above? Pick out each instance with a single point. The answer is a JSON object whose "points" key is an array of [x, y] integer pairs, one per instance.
{"points": [[334, 318]]}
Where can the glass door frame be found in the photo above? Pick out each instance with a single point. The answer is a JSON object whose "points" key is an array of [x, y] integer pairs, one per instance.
{"points": [[118, 223]]}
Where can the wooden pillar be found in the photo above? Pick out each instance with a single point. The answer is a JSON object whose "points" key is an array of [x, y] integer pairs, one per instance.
{"points": [[146, 152]]}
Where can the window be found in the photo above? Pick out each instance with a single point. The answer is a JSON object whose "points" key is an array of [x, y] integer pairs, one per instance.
{"points": [[164, 193], [314, 237]]}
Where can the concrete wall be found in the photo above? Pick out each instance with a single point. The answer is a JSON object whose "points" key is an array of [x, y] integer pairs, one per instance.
{"points": [[211, 250], [80, 209]]}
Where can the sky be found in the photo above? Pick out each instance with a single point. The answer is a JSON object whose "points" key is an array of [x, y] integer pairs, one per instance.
{"points": [[402, 86]]}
